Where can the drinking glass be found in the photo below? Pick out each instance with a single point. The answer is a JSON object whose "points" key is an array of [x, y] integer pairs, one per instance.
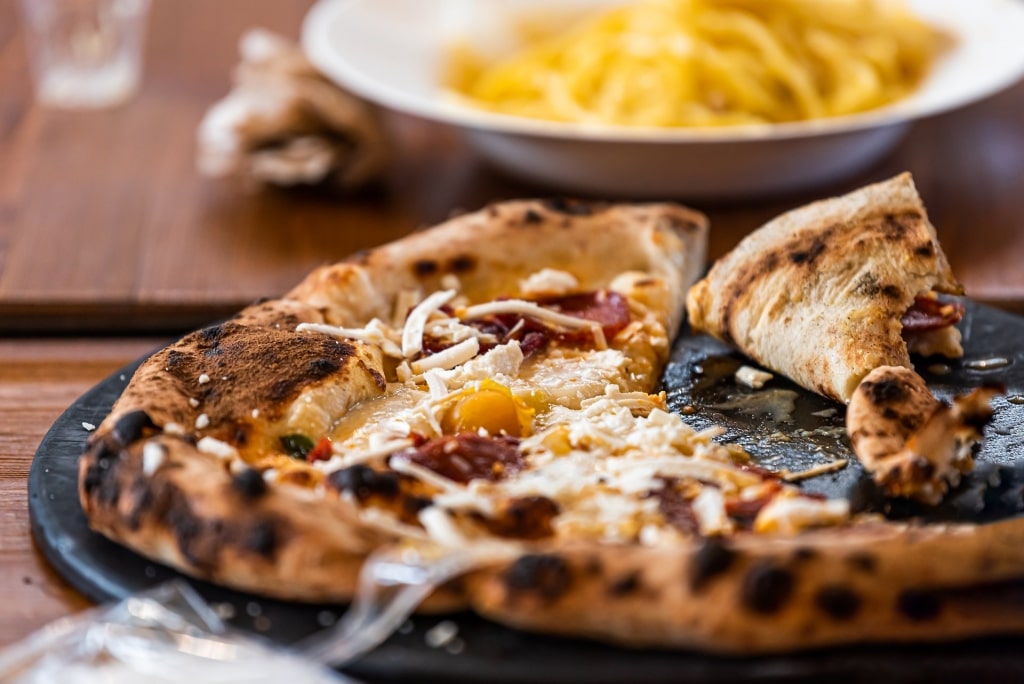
{"points": [[85, 53]]}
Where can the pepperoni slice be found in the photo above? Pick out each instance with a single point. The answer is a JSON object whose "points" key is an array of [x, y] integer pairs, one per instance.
{"points": [[928, 314], [677, 509], [468, 456], [606, 307], [609, 309]]}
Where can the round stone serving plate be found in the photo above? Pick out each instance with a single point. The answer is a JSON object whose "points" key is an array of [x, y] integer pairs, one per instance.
{"points": [[783, 431]]}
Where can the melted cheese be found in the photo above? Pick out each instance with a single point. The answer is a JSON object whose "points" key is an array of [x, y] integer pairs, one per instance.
{"points": [[549, 282], [789, 514], [416, 322], [597, 448]]}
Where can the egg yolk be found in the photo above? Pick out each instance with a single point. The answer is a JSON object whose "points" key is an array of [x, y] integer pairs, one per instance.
{"points": [[492, 408]]}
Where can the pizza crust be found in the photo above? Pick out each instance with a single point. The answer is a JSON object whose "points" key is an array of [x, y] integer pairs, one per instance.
{"points": [[755, 594], [912, 444], [819, 292], [184, 509]]}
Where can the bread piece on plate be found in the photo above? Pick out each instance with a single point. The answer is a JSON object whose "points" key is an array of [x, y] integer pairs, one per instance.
{"points": [[828, 292], [913, 444]]}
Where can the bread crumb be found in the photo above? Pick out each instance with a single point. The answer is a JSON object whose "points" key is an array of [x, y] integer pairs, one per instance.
{"points": [[752, 377], [441, 634], [89, 427]]}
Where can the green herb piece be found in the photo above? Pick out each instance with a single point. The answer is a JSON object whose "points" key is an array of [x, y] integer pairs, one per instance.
{"points": [[297, 446]]}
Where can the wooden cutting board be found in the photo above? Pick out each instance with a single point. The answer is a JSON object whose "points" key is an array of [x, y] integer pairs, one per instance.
{"points": [[105, 225]]}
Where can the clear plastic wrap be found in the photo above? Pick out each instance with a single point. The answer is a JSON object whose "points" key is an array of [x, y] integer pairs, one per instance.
{"points": [[165, 635], [170, 634]]}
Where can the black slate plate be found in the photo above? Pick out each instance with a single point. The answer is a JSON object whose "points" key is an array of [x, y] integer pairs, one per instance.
{"points": [[698, 376]]}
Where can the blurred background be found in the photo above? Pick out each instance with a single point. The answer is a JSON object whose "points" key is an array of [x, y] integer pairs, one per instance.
{"points": [[105, 224]]}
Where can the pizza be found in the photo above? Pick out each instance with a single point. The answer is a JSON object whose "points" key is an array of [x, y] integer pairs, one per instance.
{"points": [[857, 276], [913, 444], [491, 384]]}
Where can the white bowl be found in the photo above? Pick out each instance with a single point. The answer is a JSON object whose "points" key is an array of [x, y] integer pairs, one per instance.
{"points": [[392, 52]]}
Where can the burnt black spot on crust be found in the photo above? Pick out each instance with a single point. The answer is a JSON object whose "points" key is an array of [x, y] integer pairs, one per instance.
{"points": [[891, 291], [464, 263], [926, 250], [532, 217], [364, 482], [525, 517], [863, 561], [174, 359], [414, 504], [867, 286], [571, 207], [810, 254], [249, 484], [212, 335], [546, 575], [321, 368], [262, 538], [804, 554], [766, 588], [193, 536], [378, 378], [131, 426], [711, 560], [101, 477], [425, 267], [919, 605], [142, 494], [625, 585], [838, 602], [886, 391], [896, 226]]}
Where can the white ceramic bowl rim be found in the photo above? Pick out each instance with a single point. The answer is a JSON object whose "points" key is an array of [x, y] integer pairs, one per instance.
{"points": [[987, 57]]}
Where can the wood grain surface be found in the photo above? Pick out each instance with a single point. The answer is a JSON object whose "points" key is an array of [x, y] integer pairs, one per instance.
{"points": [[39, 378], [105, 224]]}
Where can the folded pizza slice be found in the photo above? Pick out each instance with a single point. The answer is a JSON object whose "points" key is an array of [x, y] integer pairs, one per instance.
{"points": [[830, 291]]}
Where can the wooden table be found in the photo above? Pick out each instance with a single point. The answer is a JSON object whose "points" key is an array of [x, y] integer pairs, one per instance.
{"points": [[105, 227]]}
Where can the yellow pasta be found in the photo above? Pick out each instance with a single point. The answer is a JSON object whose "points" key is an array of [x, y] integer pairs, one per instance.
{"points": [[710, 63]]}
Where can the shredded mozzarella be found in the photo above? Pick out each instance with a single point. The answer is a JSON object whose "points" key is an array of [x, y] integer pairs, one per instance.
{"points": [[344, 459], [435, 384], [525, 308], [403, 465], [415, 323], [215, 447], [449, 358], [441, 528], [709, 507], [375, 333], [153, 454]]}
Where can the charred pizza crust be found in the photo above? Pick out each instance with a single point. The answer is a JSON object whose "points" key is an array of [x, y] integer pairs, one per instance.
{"points": [[820, 292], [162, 475], [913, 444]]}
